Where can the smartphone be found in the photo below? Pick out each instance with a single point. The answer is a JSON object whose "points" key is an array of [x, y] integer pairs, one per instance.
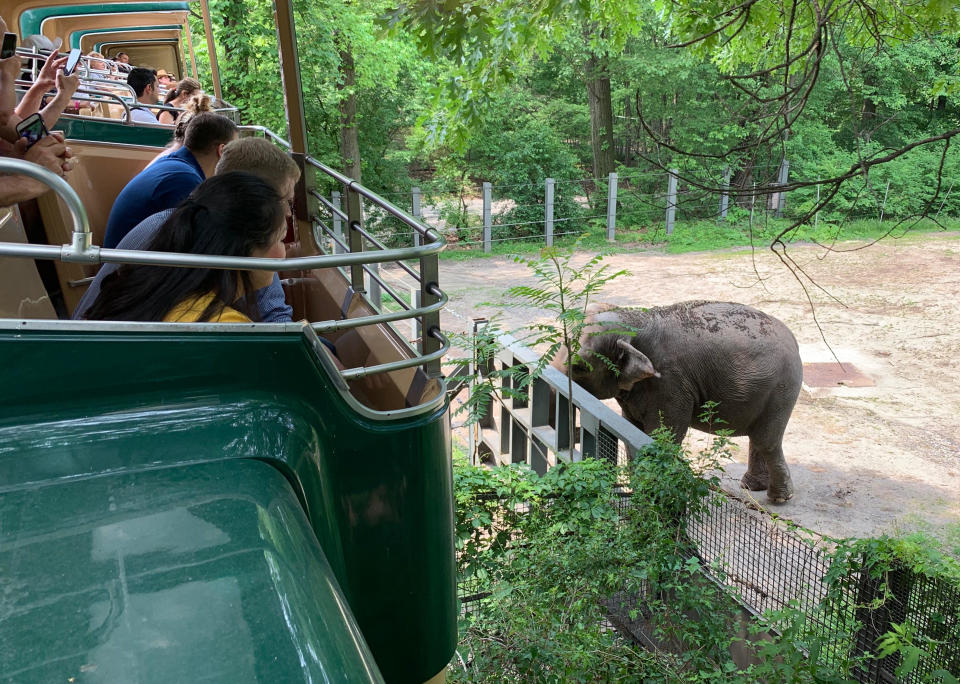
{"points": [[72, 61], [32, 128], [9, 48]]}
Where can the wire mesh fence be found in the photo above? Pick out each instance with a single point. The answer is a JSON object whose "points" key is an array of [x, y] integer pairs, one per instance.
{"points": [[768, 564]]}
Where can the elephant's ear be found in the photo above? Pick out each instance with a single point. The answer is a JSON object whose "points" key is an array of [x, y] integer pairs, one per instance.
{"points": [[634, 367]]}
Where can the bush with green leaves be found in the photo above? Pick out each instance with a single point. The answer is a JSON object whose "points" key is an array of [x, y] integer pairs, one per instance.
{"points": [[550, 560]]}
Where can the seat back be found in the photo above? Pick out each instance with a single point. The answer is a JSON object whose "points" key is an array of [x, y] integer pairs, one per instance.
{"points": [[325, 294], [22, 294], [101, 170]]}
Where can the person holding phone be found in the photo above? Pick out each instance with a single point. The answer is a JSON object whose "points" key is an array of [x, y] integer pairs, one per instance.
{"points": [[47, 150], [50, 76]]}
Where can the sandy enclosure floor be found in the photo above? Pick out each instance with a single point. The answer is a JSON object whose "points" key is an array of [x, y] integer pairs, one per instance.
{"points": [[864, 460]]}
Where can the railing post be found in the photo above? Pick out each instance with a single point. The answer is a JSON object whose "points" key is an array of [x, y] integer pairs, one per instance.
{"points": [[611, 207], [671, 199], [548, 212], [725, 196], [782, 182], [429, 285], [355, 240], [337, 223], [416, 330], [487, 223], [374, 294], [417, 212], [309, 204]]}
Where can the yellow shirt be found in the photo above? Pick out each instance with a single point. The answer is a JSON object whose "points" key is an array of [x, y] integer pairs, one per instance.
{"points": [[189, 310]]}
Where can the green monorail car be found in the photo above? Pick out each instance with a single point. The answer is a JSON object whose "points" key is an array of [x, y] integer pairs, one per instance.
{"points": [[187, 502]]}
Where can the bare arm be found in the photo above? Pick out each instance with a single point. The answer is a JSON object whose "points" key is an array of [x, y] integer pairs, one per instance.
{"points": [[66, 87], [46, 80], [9, 68], [50, 152]]}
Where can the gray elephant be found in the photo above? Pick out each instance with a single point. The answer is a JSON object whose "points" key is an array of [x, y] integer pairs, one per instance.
{"points": [[684, 355]]}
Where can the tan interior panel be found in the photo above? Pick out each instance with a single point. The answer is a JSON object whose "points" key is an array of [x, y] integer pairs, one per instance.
{"points": [[152, 55], [22, 294], [325, 294], [101, 170], [64, 26]]}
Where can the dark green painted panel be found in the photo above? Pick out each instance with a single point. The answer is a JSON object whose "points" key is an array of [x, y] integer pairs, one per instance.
{"points": [[77, 36], [113, 131], [31, 19], [377, 493], [206, 572]]}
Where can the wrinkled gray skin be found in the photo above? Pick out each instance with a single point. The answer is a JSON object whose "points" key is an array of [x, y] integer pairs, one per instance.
{"points": [[687, 354]]}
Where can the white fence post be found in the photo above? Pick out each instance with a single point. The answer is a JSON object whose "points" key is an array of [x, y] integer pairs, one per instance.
{"points": [[671, 199], [611, 207], [782, 181], [725, 197], [548, 212], [417, 212], [487, 223]]}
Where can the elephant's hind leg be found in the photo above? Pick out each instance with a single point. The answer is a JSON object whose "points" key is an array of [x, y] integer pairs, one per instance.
{"points": [[767, 469]]}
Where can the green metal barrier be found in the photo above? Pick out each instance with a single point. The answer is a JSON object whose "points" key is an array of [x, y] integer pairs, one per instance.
{"points": [[174, 418]]}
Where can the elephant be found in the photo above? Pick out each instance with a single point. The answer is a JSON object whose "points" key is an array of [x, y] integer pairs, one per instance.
{"points": [[671, 360]]}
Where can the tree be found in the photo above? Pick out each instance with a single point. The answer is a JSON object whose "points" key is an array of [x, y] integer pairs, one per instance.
{"points": [[487, 44]]}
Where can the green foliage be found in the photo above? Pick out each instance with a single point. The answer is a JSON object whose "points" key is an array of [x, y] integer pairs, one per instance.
{"points": [[549, 559]]}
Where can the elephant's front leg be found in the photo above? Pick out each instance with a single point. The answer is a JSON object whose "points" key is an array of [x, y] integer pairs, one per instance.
{"points": [[650, 415]]}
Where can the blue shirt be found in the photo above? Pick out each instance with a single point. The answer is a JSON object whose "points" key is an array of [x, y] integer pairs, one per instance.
{"points": [[162, 185], [271, 302]]}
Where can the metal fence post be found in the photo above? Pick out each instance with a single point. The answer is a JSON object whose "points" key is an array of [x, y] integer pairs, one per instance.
{"points": [[416, 330], [355, 221], [337, 223], [816, 216], [374, 294], [725, 197], [611, 207], [417, 212], [548, 212], [487, 223], [429, 289], [782, 181], [884, 205], [671, 199]]}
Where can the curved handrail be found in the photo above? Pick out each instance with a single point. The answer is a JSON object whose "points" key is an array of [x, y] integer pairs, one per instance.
{"points": [[85, 96], [363, 371], [81, 222], [268, 134], [352, 185]]}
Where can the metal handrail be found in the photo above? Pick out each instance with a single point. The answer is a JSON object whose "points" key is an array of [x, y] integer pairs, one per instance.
{"points": [[413, 274], [81, 250], [102, 95], [267, 133], [81, 222], [359, 322], [354, 373], [336, 211], [425, 231]]}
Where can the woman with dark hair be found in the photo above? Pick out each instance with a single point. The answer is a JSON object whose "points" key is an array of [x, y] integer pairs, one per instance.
{"points": [[186, 90], [231, 214]]}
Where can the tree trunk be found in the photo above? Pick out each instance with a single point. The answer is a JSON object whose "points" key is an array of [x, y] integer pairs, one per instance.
{"points": [[601, 115], [349, 144]]}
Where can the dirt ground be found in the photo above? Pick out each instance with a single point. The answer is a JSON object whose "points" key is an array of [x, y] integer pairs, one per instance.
{"points": [[864, 459]]}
